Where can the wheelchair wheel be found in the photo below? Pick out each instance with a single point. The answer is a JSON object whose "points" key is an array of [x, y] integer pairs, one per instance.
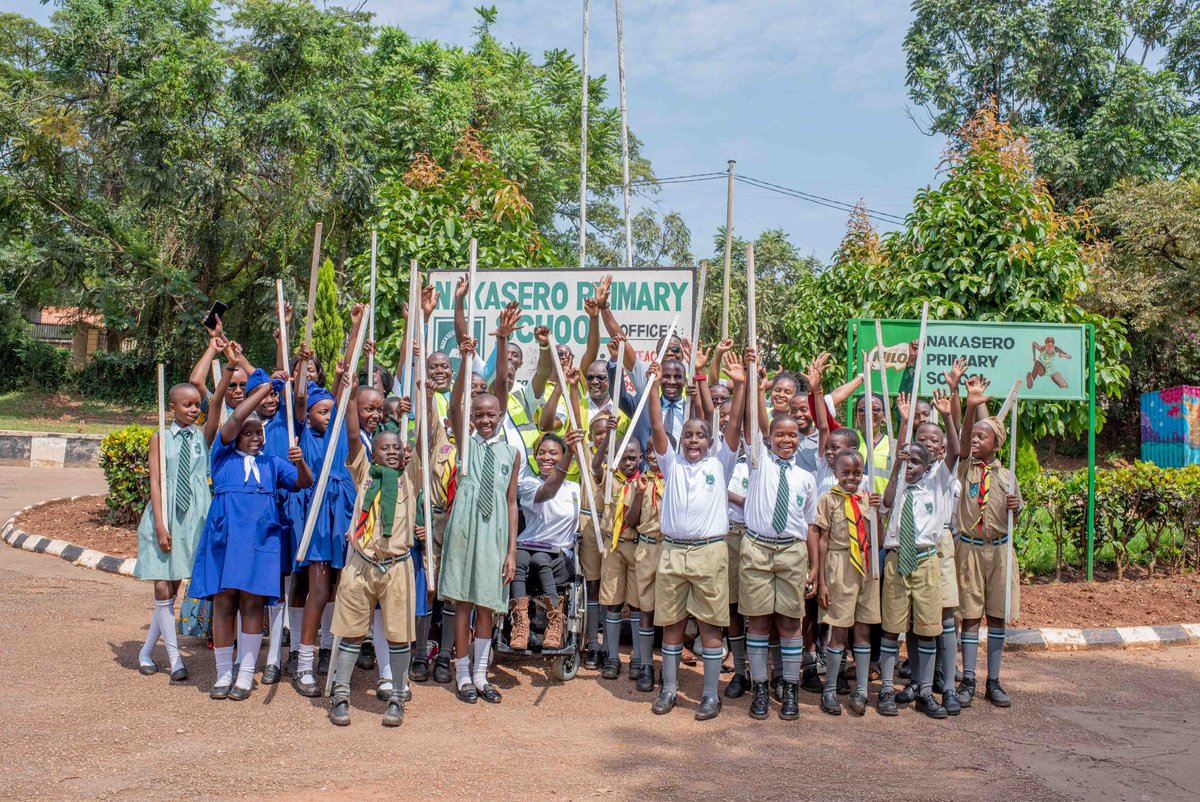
{"points": [[566, 666]]}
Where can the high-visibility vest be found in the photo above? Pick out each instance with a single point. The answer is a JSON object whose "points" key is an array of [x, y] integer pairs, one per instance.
{"points": [[883, 466], [585, 413], [527, 428]]}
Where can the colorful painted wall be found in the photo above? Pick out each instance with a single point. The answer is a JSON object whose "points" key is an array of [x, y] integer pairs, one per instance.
{"points": [[1171, 427]]}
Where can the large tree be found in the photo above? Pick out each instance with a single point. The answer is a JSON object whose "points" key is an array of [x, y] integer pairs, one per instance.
{"points": [[1104, 89]]}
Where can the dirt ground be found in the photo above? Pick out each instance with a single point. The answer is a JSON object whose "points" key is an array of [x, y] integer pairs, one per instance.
{"points": [[84, 522], [81, 723]]}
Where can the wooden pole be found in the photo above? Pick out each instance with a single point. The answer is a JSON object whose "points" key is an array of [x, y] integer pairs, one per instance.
{"points": [[371, 322], [312, 287], [331, 436], [728, 253], [883, 381], [615, 391], [580, 454], [216, 374], [870, 421], [162, 444], [752, 342], [699, 307], [624, 138], [1012, 489], [406, 355], [916, 386], [583, 142], [473, 255], [425, 452], [641, 405], [283, 342]]}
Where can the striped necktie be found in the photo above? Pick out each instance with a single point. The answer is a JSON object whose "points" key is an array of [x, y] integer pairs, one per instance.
{"points": [[908, 535], [779, 519], [985, 483], [183, 477], [487, 481]]}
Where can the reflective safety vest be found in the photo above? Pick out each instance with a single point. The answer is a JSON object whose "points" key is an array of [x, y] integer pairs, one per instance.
{"points": [[528, 429], [585, 413], [883, 462]]}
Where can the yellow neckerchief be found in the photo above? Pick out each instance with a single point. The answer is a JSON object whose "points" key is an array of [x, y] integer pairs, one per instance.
{"points": [[618, 522], [857, 525]]}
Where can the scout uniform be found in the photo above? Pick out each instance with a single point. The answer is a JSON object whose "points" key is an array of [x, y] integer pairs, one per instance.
{"points": [[649, 543], [618, 578], [853, 592], [983, 544], [590, 557]]}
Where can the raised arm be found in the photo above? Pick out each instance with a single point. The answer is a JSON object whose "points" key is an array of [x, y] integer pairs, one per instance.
{"points": [[942, 404], [702, 403], [592, 350], [237, 358], [212, 422], [841, 393], [628, 355], [904, 405], [548, 420], [552, 483], [300, 385], [353, 428], [541, 373], [504, 329], [976, 397], [281, 359], [466, 350], [889, 495], [954, 380], [199, 374], [461, 289], [658, 435], [816, 373], [233, 426], [735, 371]]}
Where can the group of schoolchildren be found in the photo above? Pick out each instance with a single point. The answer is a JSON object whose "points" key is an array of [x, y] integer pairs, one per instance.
{"points": [[737, 523]]}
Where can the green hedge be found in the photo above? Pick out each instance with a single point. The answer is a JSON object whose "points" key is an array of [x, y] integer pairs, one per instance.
{"points": [[125, 458], [118, 377], [26, 363], [1145, 515]]}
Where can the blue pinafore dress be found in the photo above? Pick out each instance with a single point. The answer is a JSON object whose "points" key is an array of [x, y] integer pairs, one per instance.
{"points": [[328, 543]]}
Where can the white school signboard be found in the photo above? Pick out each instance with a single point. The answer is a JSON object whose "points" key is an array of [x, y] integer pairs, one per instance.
{"points": [[644, 301]]}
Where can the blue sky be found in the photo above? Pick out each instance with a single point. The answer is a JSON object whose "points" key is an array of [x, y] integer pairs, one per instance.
{"points": [[802, 94]]}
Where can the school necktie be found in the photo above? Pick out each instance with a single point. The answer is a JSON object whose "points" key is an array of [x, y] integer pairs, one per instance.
{"points": [[860, 538], [985, 483], [487, 481], [908, 535], [183, 479], [672, 417], [779, 519]]}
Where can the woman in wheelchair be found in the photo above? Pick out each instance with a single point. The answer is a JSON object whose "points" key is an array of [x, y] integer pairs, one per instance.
{"points": [[551, 505]]}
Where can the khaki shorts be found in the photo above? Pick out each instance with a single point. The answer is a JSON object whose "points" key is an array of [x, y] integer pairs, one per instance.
{"points": [[647, 556], [981, 581], [920, 592], [618, 578], [853, 598], [945, 553], [734, 543], [590, 558], [691, 582], [361, 586], [772, 578]]}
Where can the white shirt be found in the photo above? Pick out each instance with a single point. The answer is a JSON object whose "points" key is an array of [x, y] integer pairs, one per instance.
{"points": [[739, 483], [673, 425], [930, 508], [552, 522], [694, 504], [764, 490], [806, 453]]}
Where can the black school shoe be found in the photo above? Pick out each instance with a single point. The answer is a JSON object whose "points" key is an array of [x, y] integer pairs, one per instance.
{"points": [[645, 679], [394, 716], [239, 694], [147, 669], [886, 705], [737, 686], [306, 685], [292, 664], [441, 670], [612, 668], [219, 691], [950, 702], [908, 695], [635, 669], [271, 675], [591, 659], [339, 713], [366, 657], [930, 707], [829, 703], [810, 681], [710, 708], [180, 674], [468, 694], [939, 682], [419, 671], [664, 703], [382, 693], [323, 658], [996, 694], [761, 702], [489, 694], [858, 702], [789, 708], [777, 687], [966, 692]]}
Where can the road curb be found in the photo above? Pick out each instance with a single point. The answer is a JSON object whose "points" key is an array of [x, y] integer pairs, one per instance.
{"points": [[1049, 639], [71, 552], [49, 449]]}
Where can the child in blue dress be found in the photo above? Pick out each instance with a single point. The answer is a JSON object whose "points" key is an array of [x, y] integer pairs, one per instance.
{"points": [[237, 561]]}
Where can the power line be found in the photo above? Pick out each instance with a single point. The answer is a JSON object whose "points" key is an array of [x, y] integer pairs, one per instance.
{"points": [[819, 200]]}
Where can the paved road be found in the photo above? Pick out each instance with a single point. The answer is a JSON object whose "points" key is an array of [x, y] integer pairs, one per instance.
{"points": [[79, 722]]}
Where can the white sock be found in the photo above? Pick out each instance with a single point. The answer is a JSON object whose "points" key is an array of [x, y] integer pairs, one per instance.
{"points": [[295, 620], [380, 641], [275, 627], [224, 658], [326, 620], [165, 612], [483, 649], [145, 656], [305, 663], [248, 645], [462, 671]]}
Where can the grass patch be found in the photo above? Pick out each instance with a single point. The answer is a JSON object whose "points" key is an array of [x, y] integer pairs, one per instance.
{"points": [[69, 413]]}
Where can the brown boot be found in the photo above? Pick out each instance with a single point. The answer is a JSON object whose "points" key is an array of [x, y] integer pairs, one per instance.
{"points": [[554, 623], [518, 637]]}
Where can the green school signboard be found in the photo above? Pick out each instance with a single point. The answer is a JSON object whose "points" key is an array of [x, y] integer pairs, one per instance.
{"points": [[644, 302], [1049, 359]]}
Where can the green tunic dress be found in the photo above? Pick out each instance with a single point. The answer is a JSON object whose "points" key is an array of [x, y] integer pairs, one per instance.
{"points": [[188, 497], [476, 539]]}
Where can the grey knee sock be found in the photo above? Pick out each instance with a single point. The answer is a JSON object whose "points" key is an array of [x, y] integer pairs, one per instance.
{"points": [[862, 665], [420, 647], [447, 646], [400, 656], [948, 650], [646, 638], [671, 654], [712, 669], [776, 659], [970, 642], [833, 664], [927, 649], [592, 624], [792, 649], [347, 655], [612, 635], [756, 656], [737, 645], [889, 651], [995, 648]]}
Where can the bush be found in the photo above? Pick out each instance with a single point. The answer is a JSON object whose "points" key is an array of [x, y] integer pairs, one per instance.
{"points": [[26, 363], [125, 458], [120, 378]]}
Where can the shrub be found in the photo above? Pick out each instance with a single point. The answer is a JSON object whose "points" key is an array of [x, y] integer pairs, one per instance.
{"points": [[118, 377], [46, 367], [125, 458]]}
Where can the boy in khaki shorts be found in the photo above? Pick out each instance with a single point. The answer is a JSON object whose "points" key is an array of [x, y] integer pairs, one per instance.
{"points": [[379, 567], [643, 515], [982, 551], [912, 575], [618, 575], [847, 592], [692, 568], [779, 558]]}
